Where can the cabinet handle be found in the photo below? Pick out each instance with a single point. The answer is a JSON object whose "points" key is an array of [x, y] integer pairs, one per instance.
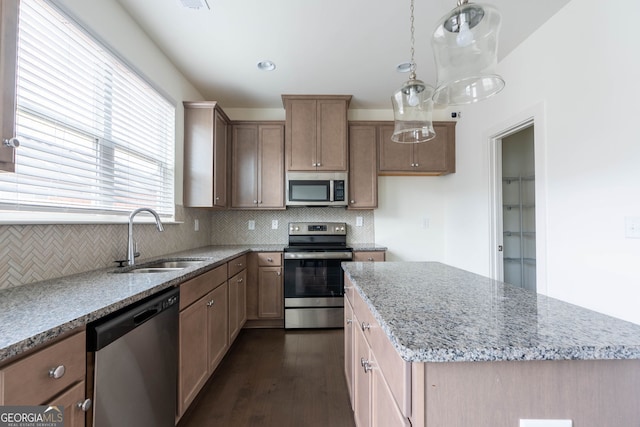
{"points": [[57, 373], [240, 280], [210, 303], [367, 367], [85, 405], [365, 326], [269, 259], [349, 321], [363, 361]]}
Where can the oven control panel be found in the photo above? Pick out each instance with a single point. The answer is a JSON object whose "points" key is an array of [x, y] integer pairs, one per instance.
{"points": [[317, 228]]}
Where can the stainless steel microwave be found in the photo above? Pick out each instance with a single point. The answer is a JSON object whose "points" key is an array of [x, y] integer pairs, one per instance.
{"points": [[316, 189]]}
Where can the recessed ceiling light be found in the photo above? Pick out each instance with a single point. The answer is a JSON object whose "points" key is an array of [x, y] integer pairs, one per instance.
{"points": [[195, 4], [403, 67], [266, 65]]}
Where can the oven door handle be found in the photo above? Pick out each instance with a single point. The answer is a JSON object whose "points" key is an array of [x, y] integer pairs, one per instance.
{"points": [[319, 255]]}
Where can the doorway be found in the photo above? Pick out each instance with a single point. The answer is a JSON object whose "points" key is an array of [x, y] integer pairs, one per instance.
{"points": [[518, 208]]}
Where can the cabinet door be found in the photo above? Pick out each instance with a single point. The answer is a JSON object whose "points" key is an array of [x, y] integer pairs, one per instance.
{"points": [[363, 167], [384, 411], [331, 145], [270, 293], [349, 345], [8, 48], [271, 166], [72, 400], [220, 161], [244, 164], [361, 380], [301, 134], [237, 303], [193, 370], [198, 157], [393, 156], [437, 156], [217, 326]]}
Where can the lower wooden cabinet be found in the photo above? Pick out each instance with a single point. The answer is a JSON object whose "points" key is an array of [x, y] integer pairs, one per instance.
{"points": [[54, 375], [265, 294], [203, 332], [377, 378], [369, 256], [237, 304]]}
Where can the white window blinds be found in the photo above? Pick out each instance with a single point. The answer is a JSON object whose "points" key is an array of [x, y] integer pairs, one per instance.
{"points": [[95, 137]]}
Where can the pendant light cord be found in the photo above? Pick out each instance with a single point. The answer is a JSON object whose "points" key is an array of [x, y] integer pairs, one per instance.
{"points": [[412, 76]]}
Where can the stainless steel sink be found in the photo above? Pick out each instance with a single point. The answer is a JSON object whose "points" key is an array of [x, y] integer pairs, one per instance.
{"points": [[162, 266]]}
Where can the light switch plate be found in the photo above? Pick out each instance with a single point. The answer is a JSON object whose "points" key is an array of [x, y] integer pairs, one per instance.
{"points": [[252, 224], [546, 423], [274, 224], [196, 224], [359, 221]]}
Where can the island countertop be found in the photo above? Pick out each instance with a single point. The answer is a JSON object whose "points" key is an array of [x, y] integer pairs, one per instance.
{"points": [[432, 312]]}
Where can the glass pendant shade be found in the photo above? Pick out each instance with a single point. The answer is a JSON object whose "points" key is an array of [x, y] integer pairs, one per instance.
{"points": [[465, 47], [412, 111]]}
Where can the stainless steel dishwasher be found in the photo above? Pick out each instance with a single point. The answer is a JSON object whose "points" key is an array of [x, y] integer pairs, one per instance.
{"points": [[135, 354]]}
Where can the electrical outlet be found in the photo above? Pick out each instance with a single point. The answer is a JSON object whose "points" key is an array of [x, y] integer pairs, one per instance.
{"points": [[632, 227], [274, 224], [359, 221], [546, 423], [252, 224], [196, 224]]}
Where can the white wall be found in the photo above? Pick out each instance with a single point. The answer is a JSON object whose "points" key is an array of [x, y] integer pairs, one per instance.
{"points": [[582, 66]]}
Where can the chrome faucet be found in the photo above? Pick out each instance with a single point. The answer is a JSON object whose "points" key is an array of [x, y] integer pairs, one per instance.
{"points": [[131, 245]]}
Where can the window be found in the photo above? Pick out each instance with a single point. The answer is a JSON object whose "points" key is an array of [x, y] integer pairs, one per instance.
{"points": [[95, 137]]}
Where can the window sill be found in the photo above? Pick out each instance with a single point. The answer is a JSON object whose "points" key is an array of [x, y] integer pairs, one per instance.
{"points": [[53, 218]]}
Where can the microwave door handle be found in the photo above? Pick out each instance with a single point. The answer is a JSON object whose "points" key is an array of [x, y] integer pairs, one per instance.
{"points": [[331, 190]]}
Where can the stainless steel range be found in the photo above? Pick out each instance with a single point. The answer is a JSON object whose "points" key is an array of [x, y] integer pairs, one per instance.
{"points": [[313, 279]]}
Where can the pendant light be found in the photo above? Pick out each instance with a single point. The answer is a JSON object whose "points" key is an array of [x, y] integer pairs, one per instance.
{"points": [[465, 48], [412, 106]]}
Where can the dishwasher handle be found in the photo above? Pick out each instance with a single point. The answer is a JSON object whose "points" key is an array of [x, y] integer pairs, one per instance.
{"points": [[142, 317]]}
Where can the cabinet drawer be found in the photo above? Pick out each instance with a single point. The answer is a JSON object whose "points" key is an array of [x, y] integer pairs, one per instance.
{"points": [[236, 265], [396, 371], [28, 381], [269, 259], [196, 288], [365, 256]]}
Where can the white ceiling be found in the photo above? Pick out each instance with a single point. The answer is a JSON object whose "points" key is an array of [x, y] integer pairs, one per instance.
{"points": [[319, 46]]}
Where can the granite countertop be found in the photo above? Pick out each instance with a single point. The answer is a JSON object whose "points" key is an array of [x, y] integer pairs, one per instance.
{"points": [[432, 312], [367, 247], [31, 315]]}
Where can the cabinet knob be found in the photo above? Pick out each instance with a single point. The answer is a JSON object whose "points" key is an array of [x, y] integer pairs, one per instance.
{"points": [[365, 326], [217, 199], [240, 280], [210, 303], [255, 202], [367, 367], [369, 259], [11, 142], [349, 321], [417, 164], [277, 273], [239, 264], [85, 405], [269, 259], [353, 201], [57, 372]]}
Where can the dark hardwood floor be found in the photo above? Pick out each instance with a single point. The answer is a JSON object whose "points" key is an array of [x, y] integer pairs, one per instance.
{"points": [[273, 377]]}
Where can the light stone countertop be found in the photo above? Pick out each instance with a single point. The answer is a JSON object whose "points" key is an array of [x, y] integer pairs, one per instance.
{"points": [[366, 247], [432, 312], [33, 314]]}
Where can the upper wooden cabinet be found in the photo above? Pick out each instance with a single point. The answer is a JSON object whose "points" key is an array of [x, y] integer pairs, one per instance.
{"points": [[363, 165], [316, 132], [257, 165], [435, 157], [8, 51], [205, 155]]}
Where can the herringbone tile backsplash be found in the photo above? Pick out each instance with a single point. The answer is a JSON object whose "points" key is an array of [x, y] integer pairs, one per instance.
{"points": [[32, 253]]}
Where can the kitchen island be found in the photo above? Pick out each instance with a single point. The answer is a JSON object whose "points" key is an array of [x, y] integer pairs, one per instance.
{"points": [[452, 348]]}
